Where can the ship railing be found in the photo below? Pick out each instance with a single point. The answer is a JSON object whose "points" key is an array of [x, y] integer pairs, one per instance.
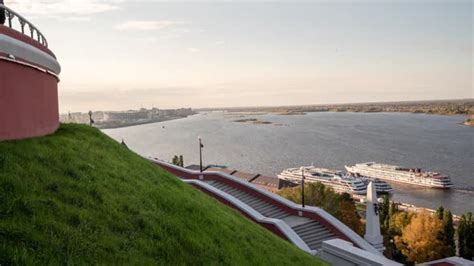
{"points": [[17, 22]]}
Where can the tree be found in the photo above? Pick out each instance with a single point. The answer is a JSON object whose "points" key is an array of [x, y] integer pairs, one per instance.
{"points": [[384, 214], [448, 233], [399, 221], [181, 161], [341, 206], [348, 214], [419, 241], [466, 236], [440, 212], [392, 209]]}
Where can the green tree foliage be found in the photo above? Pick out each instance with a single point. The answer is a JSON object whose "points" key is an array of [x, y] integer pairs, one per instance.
{"points": [[384, 214], [446, 235], [440, 212], [341, 206], [392, 209], [466, 236], [449, 233]]}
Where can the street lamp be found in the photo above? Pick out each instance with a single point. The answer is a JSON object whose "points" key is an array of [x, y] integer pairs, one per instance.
{"points": [[91, 121], [200, 153], [302, 186]]}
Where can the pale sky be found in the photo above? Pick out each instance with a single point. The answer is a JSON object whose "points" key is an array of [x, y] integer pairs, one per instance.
{"points": [[126, 54]]}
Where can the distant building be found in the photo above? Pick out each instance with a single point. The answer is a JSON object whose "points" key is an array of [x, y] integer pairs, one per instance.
{"points": [[108, 119]]}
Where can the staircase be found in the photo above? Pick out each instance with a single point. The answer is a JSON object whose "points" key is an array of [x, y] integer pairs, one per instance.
{"points": [[307, 228], [310, 231]]}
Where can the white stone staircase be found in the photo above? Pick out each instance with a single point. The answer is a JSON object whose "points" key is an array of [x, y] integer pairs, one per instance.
{"points": [[308, 228], [310, 231]]}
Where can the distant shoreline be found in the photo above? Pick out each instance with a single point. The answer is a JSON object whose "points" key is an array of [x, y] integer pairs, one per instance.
{"points": [[128, 118], [440, 107], [110, 126]]}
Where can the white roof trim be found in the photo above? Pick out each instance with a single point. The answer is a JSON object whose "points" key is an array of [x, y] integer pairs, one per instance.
{"points": [[17, 48]]}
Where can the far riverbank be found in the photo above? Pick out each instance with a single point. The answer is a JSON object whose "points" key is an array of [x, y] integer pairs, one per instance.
{"points": [[440, 107]]}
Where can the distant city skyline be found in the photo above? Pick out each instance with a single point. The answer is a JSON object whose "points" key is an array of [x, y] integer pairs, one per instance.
{"points": [[125, 54]]}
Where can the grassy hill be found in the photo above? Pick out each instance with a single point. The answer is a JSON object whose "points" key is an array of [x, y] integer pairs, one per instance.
{"points": [[78, 197]]}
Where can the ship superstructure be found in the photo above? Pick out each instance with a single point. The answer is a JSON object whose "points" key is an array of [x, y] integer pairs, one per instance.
{"points": [[381, 187], [313, 174], [412, 176]]}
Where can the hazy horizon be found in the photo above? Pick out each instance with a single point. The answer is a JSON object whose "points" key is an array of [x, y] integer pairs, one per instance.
{"points": [[266, 106], [125, 54]]}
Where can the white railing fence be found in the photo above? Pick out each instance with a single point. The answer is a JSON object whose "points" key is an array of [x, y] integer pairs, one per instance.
{"points": [[17, 22]]}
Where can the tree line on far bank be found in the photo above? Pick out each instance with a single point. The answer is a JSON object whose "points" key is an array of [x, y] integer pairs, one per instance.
{"points": [[409, 237]]}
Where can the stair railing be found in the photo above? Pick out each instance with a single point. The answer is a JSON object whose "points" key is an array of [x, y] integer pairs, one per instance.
{"points": [[25, 27]]}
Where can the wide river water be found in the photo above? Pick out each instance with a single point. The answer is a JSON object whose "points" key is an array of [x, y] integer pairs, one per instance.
{"points": [[326, 139]]}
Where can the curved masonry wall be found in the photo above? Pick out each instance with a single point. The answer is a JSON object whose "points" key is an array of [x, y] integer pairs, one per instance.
{"points": [[28, 88]]}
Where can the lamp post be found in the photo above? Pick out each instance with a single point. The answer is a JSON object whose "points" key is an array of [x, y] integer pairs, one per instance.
{"points": [[91, 121], [200, 153], [302, 187]]}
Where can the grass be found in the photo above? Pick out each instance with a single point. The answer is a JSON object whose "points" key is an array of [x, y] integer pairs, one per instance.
{"points": [[78, 197]]}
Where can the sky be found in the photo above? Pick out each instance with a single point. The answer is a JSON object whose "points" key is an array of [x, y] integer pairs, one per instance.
{"points": [[128, 54]]}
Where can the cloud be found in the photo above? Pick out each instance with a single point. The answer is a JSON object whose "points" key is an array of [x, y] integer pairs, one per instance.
{"points": [[192, 50], [55, 8], [148, 25], [78, 19]]}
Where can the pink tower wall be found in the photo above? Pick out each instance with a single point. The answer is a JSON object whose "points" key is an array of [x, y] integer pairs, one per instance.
{"points": [[28, 101]]}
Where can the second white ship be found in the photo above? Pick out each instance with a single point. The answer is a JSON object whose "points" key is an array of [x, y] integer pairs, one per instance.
{"points": [[412, 176]]}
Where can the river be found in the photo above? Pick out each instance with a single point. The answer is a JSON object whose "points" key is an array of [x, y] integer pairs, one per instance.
{"points": [[325, 139]]}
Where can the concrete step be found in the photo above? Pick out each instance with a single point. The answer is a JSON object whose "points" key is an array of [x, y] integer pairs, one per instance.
{"points": [[282, 216], [260, 204], [219, 185], [265, 213], [310, 231], [270, 208], [210, 182], [228, 189], [274, 212], [240, 194], [311, 226], [248, 198], [317, 243], [316, 237], [304, 226]]}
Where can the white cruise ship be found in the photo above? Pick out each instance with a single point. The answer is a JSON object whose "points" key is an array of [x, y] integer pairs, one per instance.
{"points": [[381, 187], [412, 176], [338, 183]]}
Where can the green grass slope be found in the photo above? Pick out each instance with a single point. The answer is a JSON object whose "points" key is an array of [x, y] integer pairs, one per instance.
{"points": [[78, 197]]}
